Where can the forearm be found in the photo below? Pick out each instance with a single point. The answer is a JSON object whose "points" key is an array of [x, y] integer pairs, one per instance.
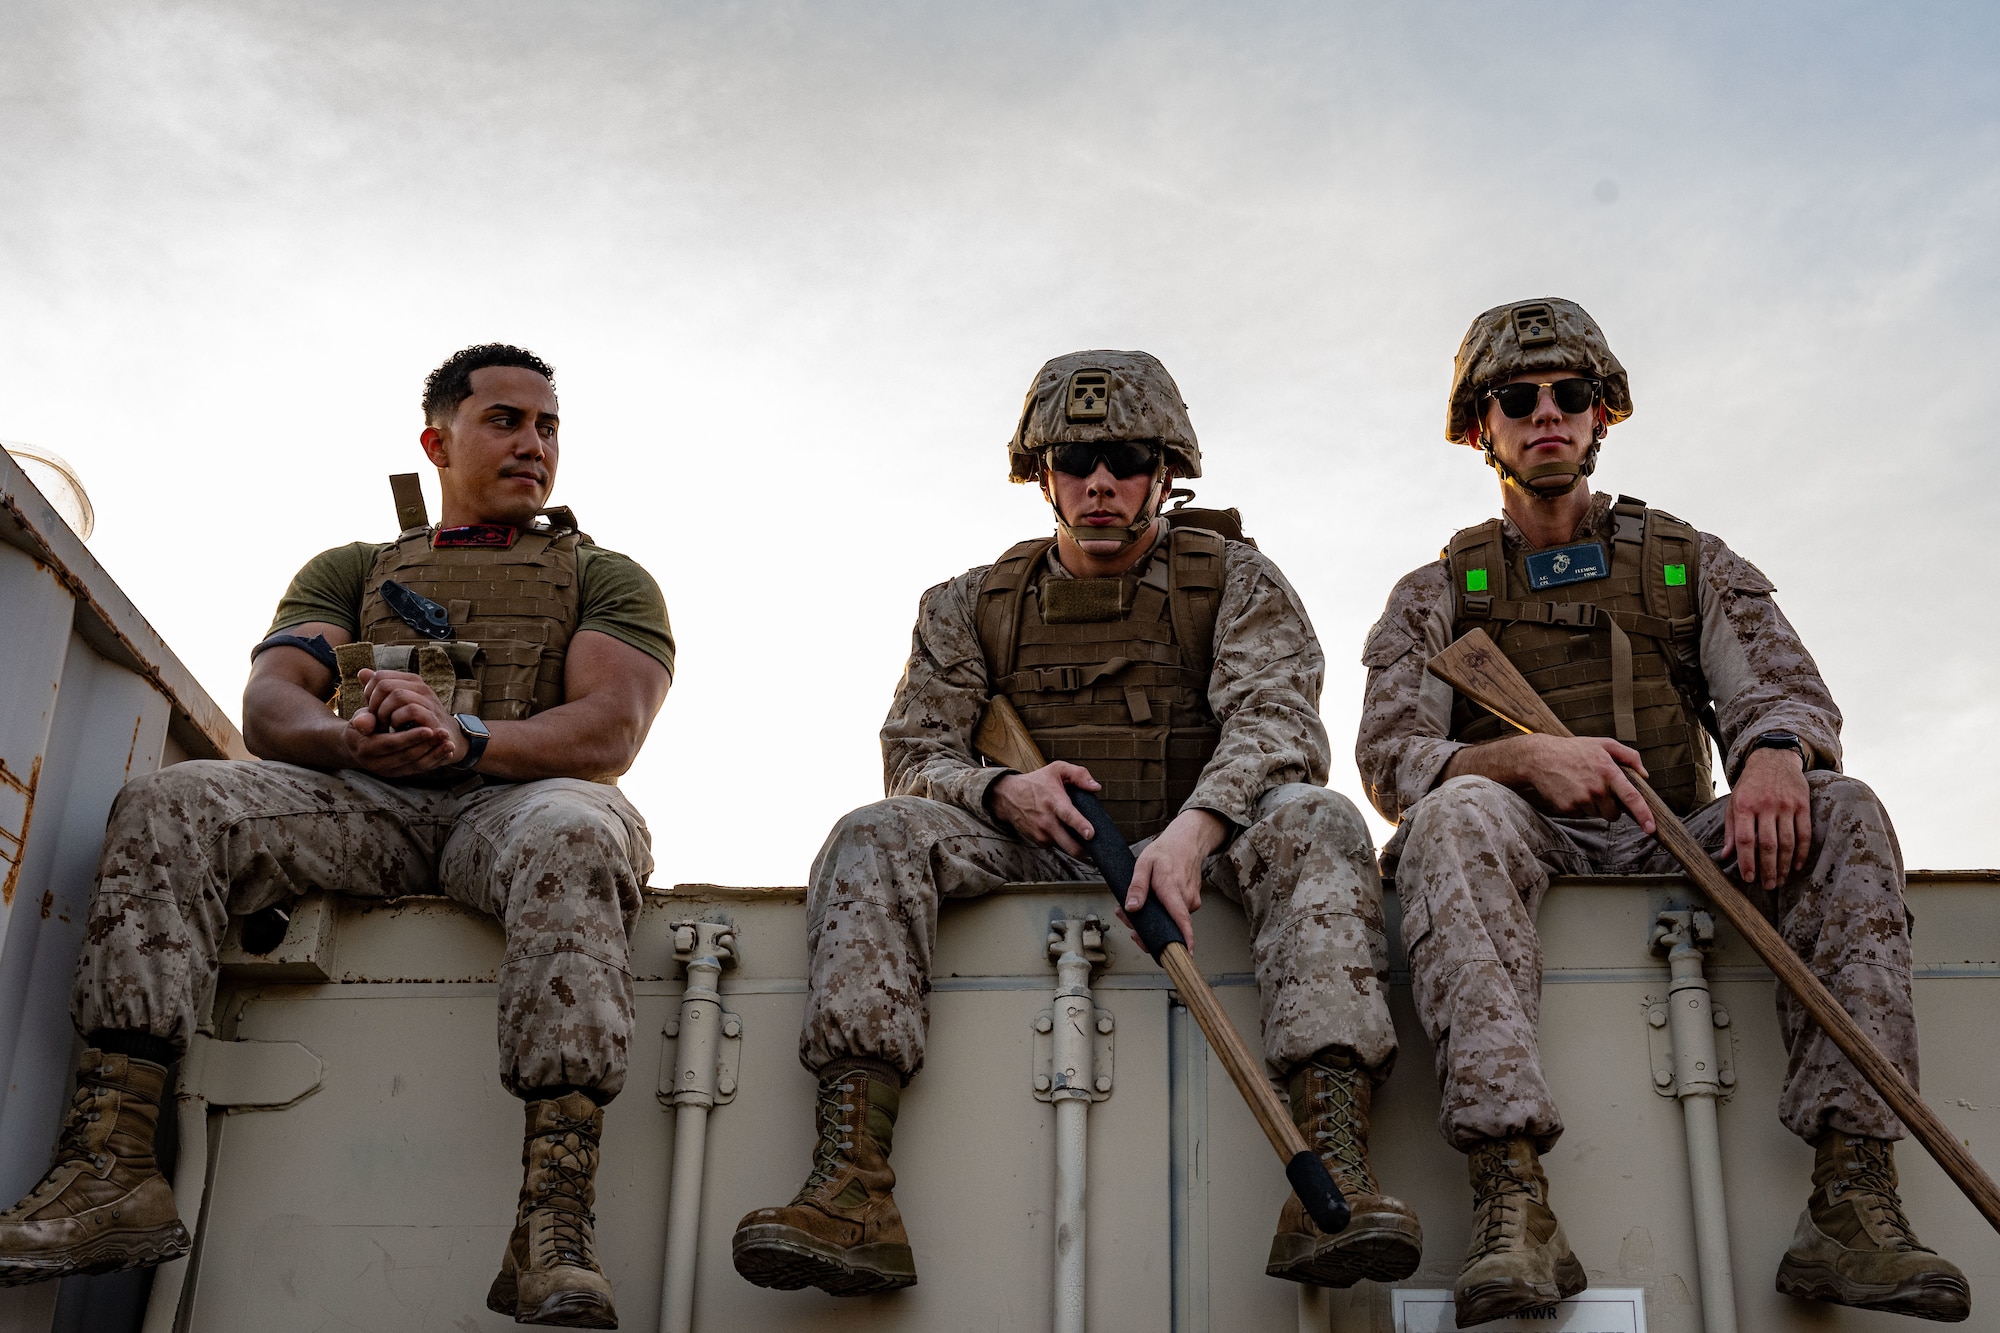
{"points": [[1759, 674], [285, 723], [1269, 744], [940, 776], [1508, 761], [575, 740]]}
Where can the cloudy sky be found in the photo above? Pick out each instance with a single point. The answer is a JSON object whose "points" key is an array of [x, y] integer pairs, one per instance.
{"points": [[796, 263]]}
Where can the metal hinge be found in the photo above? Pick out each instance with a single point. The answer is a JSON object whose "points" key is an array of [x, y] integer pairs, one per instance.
{"points": [[1660, 1045], [1101, 1052]]}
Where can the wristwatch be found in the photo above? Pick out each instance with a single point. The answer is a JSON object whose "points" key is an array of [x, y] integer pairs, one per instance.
{"points": [[1781, 740], [476, 736]]}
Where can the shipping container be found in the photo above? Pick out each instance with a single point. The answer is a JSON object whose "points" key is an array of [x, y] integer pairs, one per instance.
{"points": [[347, 1160]]}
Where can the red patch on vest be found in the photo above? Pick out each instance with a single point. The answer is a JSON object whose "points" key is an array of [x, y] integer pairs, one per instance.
{"points": [[476, 534]]}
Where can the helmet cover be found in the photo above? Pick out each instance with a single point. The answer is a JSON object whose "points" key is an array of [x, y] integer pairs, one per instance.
{"points": [[1090, 397], [1549, 334]]}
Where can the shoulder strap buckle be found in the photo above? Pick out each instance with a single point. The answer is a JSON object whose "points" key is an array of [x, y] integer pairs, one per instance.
{"points": [[1628, 520]]}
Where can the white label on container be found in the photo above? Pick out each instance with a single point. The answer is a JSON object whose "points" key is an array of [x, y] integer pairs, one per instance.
{"points": [[1597, 1310]]}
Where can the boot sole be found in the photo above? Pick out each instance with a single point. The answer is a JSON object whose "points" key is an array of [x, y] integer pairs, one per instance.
{"points": [[786, 1259], [1496, 1300], [110, 1253], [1366, 1250], [571, 1309], [1945, 1299]]}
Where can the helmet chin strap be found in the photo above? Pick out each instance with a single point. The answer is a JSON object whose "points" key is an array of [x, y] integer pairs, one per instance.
{"points": [[1524, 481], [1124, 536]]}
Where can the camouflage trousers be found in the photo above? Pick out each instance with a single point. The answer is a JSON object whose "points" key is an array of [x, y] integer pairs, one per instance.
{"points": [[1304, 873], [562, 863], [1475, 861]]}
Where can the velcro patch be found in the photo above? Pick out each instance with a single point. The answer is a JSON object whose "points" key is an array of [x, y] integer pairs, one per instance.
{"points": [[476, 534], [1568, 564], [1081, 601]]}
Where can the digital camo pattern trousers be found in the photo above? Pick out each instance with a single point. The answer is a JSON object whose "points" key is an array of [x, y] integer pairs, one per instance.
{"points": [[1474, 866], [561, 862], [1304, 873]]}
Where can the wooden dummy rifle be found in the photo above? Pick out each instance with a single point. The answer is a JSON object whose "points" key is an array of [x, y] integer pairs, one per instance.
{"points": [[1477, 669], [1003, 738]]}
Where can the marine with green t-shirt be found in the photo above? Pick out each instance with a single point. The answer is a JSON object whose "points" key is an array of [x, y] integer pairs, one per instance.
{"points": [[443, 713]]}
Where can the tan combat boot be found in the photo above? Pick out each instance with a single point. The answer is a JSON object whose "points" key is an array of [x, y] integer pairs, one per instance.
{"points": [[1519, 1257], [103, 1205], [550, 1274], [1853, 1246], [842, 1232], [1382, 1241]]}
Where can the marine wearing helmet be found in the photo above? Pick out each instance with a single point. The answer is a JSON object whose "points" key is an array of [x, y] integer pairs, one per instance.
{"points": [[1168, 667], [1647, 638]]}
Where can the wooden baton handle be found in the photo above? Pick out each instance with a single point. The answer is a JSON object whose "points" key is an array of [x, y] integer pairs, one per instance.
{"points": [[1004, 738], [1477, 669]]}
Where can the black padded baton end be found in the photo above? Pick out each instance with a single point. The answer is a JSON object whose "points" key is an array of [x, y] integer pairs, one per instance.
{"points": [[1317, 1192], [1113, 856]]}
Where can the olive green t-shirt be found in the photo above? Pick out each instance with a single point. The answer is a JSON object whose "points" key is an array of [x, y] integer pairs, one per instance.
{"points": [[618, 597]]}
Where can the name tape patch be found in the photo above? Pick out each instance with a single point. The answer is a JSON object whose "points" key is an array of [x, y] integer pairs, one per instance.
{"points": [[1568, 564]]}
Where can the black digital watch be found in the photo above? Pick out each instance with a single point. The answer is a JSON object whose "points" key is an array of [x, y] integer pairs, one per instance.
{"points": [[1781, 740], [476, 736]]}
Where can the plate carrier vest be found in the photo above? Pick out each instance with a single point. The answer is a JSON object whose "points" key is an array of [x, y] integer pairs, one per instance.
{"points": [[1126, 696], [515, 607], [1624, 661]]}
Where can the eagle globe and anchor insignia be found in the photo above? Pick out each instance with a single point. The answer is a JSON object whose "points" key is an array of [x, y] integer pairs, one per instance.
{"points": [[1568, 564]]}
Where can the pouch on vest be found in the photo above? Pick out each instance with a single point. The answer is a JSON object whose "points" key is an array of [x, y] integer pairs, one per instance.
{"points": [[434, 662]]}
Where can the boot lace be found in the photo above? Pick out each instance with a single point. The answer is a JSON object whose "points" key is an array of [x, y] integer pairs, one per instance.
{"points": [[829, 1154], [1501, 1208], [1871, 1183], [568, 1172], [1334, 1112], [1500, 1216], [73, 1144]]}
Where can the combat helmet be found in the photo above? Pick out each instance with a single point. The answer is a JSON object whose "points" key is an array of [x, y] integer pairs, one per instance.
{"points": [[1103, 395], [1549, 334]]}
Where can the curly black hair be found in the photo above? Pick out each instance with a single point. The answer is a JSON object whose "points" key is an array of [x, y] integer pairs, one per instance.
{"points": [[451, 383]]}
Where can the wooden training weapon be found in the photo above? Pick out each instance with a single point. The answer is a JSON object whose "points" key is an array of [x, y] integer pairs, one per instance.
{"points": [[1477, 669], [1004, 738]]}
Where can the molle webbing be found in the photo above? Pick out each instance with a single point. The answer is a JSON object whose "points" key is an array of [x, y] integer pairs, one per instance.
{"points": [[1126, 696], [519, 604], [1618, 656]]}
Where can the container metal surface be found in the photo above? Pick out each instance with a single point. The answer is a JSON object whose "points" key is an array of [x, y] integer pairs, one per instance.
{"points": [[383, 1200], [90, 696]]}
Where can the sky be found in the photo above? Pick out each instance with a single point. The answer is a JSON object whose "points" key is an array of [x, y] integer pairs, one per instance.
{"points": [[795, 265]]}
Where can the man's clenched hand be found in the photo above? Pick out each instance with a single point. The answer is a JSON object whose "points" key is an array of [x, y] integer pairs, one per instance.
{"points": [[401, 730], [1038, 807]]}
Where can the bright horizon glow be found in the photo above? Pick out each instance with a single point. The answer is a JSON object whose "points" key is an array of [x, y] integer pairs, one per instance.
{"points": [[795, 266]]}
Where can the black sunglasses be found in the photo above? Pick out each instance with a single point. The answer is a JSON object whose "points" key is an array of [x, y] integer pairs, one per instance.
{"points": [[1125, 458], [1571, 395]]}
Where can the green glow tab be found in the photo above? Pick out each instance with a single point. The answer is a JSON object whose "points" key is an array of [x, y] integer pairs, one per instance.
{"points": [[1677, 576], [1475, 580]]}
